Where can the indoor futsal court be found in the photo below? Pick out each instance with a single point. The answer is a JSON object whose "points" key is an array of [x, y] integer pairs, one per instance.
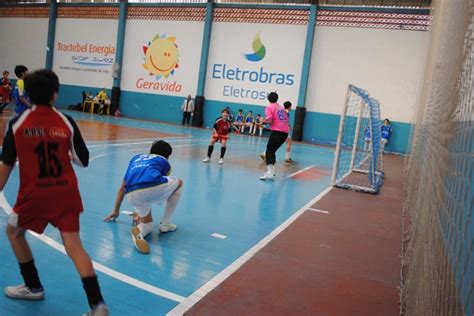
{"points": [[224, 212], [367, 106]]}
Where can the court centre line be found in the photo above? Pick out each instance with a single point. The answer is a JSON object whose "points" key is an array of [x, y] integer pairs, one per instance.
{"points": [[316, 210], [135, 149], [185, 305], [301, 171], [137, 143], [99, 267]]}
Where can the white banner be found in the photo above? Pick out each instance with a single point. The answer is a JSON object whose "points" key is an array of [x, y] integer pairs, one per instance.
{"points": [[162, 57], [84, 52], [247, 61]]}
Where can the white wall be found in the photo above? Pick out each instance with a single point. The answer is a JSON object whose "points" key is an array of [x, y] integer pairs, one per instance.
{"points": [[23, 42], [188, 39], [230, 42], [387, 63], [84, 51]]}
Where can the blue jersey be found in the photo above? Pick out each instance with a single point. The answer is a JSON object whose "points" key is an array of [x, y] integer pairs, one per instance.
{"points": [[239, 118], [386, 131], [146, 171], [367, 133], [18, 92], [249, 119]]}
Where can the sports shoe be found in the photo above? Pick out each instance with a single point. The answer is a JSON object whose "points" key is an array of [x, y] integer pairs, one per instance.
{"points": [[23, 292], [170, 227], [207, 159], [267, 176], [140, 243], [289, 160], [263, 156], [99, 310], [221, 161]]}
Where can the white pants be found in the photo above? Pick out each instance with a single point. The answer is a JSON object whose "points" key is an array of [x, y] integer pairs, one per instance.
{"points": [[142, 199]]}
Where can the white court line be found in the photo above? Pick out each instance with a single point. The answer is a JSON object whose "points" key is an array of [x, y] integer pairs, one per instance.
{"points": [[216, 235], [99, 267], [95, 157], [185, 305], [301, 171], [138, 143], [135, 149], [316, 210]]}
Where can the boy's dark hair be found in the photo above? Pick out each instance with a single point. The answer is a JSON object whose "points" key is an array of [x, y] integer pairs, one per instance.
{"points": [[162, 148], [272, 97], [287, 104], [41, 86], [20, 70], [225, 110], [240, 110], [387, 120]]}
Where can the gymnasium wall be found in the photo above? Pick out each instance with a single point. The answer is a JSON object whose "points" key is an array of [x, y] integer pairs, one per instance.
{"points": [[389, 63], [23, 38], [381, 52]]}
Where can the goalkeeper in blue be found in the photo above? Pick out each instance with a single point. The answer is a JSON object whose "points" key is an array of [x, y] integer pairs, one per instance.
{"points": [[386, 132]]}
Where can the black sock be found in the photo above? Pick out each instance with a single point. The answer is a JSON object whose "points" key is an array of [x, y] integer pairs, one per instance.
{"points": [[30, 275], [223, 149], [209, 151], [91, 286]]}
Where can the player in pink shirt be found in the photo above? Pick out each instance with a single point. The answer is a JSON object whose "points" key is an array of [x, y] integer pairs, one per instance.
{"points": [[277, 118]]}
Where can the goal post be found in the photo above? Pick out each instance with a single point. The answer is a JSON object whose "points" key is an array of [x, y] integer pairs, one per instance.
{"points": [[358, 159]]}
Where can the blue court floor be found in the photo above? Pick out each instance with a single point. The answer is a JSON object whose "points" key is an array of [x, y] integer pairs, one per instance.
{"points": [[228, 200]]}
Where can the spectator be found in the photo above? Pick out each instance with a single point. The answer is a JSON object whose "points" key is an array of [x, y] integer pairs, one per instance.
{"points": [[188, 110]]}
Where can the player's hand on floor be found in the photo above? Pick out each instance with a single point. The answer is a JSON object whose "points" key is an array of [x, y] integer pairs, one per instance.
{"points": [[111, 217]]}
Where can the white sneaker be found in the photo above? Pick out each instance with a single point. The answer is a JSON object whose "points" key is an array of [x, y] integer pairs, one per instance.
{"points": [[221, 161], [99, 310], [23, 292], [140, 243], [164, 228], [267, 176], [207, 159]]}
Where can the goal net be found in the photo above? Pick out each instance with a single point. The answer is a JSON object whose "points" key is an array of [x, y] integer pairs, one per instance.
{"points": [[438, 262], [358, 159]]}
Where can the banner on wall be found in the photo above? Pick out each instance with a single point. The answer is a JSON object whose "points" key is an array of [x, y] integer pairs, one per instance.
{"points": [[84, 52], [263, 58], [162, 57]]}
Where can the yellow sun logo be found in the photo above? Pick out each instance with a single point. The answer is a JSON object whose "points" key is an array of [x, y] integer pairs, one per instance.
{"points": [[161, 56]]}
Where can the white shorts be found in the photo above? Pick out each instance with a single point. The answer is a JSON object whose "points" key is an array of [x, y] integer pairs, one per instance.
{"points": [[142, 199], [384, 141]]}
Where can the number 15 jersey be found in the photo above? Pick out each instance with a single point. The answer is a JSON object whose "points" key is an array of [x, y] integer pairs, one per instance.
{"points": [[42, 139]]}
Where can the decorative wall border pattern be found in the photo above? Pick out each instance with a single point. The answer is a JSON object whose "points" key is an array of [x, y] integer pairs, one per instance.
{"points": [[414, 22], [83, 12], [268, 16], [25, 12], [166, 13]]}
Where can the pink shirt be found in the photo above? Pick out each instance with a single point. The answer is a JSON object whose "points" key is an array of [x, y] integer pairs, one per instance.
{"points": [[276, 116]]}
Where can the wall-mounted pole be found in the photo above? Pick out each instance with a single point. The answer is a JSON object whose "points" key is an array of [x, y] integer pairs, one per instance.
{"points": [[53, 14]]}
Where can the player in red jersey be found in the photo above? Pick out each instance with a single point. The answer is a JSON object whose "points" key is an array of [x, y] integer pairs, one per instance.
{"points": [[220, 132], [42, 139]]}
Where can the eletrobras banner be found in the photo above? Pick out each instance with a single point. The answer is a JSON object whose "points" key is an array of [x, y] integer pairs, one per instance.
{"points": [[247, 61], [84, 52], [162, 57]]}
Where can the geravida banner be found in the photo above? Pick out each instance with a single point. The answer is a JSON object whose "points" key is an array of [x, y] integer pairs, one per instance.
{"points": [[162, 57], [247, 61], [84, 52]]}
